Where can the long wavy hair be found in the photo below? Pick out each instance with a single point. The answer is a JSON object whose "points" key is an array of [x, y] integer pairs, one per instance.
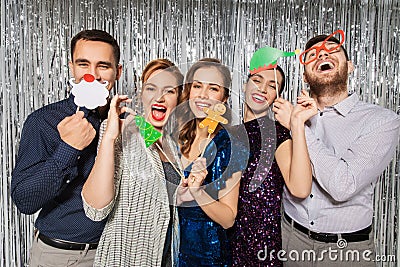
{"points": [[187, 133]]}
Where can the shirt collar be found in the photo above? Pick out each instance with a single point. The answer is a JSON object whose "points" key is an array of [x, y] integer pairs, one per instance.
{"points": [[346, 104]]}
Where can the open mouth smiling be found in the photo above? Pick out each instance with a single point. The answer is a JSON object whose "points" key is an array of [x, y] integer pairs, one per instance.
{"points": [[325, 66], [158, 112], [201, 105], [258, 98]]}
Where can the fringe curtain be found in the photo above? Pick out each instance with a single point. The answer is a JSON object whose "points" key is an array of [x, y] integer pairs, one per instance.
{"points": [[34, 54]]}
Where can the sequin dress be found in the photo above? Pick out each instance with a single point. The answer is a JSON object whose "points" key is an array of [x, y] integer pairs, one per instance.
{"points": [[204, 242], [257, 230]]}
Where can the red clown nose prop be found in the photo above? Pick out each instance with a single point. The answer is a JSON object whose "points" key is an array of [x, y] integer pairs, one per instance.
{"points": [[88, 77]]}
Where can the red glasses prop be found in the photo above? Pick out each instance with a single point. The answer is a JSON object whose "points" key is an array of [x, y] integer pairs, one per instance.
{"points": [[311, 54]]}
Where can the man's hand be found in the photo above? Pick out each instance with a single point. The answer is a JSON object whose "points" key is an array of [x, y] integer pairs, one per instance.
{"points": [[305, 109], [76, 131], [283, 110]]}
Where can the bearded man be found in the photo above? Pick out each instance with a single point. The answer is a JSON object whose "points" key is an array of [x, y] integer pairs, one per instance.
{"points": [[350, 143]]}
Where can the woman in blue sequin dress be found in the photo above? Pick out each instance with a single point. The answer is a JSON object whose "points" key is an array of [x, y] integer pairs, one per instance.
{"points": [[214, 189], [276, 158]]}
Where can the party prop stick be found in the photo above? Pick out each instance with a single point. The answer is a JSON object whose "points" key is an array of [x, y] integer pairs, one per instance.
{"points": [[301, 71], [150, 136], [211, 121], [173, 165], [303, 84], [276, 84], [89, 92]]}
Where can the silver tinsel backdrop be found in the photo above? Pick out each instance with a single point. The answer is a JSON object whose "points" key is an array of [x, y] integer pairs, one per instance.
{"points": [[34, 52]]}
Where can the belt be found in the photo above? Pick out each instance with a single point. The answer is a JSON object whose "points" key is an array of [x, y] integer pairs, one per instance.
{"points": [[358, 236], [62, 244]]}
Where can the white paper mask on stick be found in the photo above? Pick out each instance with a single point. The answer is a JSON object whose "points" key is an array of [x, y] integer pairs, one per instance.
{"points": [[89, 93]]}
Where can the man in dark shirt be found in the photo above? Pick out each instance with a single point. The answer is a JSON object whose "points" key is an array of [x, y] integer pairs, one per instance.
{"points": [[56, 154]]}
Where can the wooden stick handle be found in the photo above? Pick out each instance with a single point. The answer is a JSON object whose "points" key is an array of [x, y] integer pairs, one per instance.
{"points": [[176, 169], [276, 84], [204, 148]]}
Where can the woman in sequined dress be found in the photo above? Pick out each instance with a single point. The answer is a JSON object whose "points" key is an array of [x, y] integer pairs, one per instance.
{"points": [[276, 159], [212, 180], [127, 184]]}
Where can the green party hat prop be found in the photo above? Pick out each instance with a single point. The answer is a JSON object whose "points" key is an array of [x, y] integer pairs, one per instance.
{"points": [[150, 136], [147, 131], [266, 58]]}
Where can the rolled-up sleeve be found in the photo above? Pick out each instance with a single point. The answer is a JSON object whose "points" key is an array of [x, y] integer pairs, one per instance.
{"points": [[97, 214], [100, 214]]}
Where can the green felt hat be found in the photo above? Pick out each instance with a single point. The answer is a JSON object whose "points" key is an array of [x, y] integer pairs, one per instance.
{"points": [[265, 58]]}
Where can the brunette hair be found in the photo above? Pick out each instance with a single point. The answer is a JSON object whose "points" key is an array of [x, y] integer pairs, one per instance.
{"points": [[322, 37], [96, 35], [278, 68], [188, 131]]}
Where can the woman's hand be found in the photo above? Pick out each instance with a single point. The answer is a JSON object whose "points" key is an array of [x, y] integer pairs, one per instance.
{"points": [[114, 123], [197, 176], [283, 110], [183, 194], [190, 186], [305, 109]]}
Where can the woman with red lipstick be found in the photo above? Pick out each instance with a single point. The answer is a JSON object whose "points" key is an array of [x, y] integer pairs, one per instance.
{"points": [[276, 158], [127, 184], [213, 181]]}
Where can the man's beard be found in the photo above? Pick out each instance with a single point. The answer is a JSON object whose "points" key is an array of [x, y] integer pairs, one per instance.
{"points": [[328, 86]]}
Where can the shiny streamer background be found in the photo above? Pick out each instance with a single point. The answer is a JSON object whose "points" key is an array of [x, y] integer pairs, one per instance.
{"points": [[34, 54]]}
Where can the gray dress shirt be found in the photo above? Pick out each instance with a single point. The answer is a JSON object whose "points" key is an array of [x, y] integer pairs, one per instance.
{"points": [[350, 145]]}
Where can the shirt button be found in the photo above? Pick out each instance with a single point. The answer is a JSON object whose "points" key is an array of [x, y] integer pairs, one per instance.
{"points": [[312, 223], [321, 113], [79, 157], [311, 195], [67, 181], [317, 139]]}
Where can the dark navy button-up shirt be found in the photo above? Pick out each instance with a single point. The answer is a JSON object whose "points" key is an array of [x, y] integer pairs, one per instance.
{"points": [[49, 175]]}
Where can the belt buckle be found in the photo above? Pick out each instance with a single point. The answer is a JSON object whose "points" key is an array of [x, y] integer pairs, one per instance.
{"points": [[309, 234]]}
